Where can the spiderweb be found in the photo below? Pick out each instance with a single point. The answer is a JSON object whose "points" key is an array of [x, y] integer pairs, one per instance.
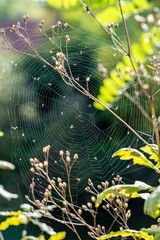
{"points": [[44, 110]]}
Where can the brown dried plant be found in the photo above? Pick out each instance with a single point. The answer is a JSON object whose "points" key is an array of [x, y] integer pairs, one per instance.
{"points": [[60, 61], [58, 193]]}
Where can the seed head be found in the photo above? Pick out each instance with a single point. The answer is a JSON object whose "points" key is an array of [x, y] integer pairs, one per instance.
{"points": [[59, 180], [126, 205], [2, 30], [24, 18], [32, 209], [65, 25], [53, 182], [75, 157], [89, 205], [46, 163], [88, 189], [64, 184], [88, 79], [53, 28], [58, 55], [26, 197], [93, 199], [60, 185], [79, 211], [65, 203], [116, 26], [32, 170], [67, 153], [41, 165], [68, 160], [68, 40], [61, 153]]}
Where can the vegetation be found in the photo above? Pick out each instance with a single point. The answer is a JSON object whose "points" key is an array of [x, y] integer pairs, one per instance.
{"points": [[114, 197]]}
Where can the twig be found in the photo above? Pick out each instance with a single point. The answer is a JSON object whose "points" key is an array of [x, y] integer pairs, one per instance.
{"points": [[149, 98], [86, 7]]}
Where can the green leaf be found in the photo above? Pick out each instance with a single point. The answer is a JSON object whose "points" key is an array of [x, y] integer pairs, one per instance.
{"points": [[58, 236], [138, 52], [146, 44], [154, 156], [6, 165], [152, 204], [127, 233], [63, 3], [141, 4], [129, 190], [1, 134], [138, 157], [7, 195], [108, 15], [154, 231], [44, 227]]}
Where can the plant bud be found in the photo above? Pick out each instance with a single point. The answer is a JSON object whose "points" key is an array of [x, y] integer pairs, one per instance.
{"points": [[24, 18], [65, 25], [151, 19], [61, 153], [59, 180], [67, 153], [68, 160], [75, 157], [41, 165], [45, 163], [32, 170], [89, 205], [93, 199], [79, 211]]}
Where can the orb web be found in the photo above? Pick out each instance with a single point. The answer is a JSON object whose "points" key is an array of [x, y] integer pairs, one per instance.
{"points": [[44, 110]]}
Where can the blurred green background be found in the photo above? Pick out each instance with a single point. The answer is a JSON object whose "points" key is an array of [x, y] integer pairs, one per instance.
{"points": [[12, 11]]}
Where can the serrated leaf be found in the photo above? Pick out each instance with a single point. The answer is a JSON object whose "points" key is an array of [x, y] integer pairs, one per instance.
{"points": [[137, 156], [128, 190], [127, 233], [152, 204], [154, 156], [6, 165], [7, 195], [44, 227]]}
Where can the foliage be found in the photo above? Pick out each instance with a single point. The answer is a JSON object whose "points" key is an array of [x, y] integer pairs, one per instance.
{"points": [[1, 134], [130, 190], [114, 198], [152, 204], [127, 233], [138, 157], [5, 194], [122, 76], [25, 216]]}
